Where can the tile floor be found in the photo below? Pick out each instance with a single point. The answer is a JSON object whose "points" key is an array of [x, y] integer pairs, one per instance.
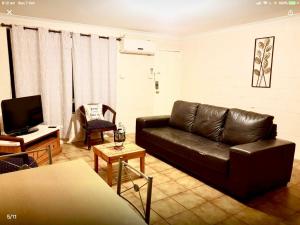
{"points": [[178, 198]]}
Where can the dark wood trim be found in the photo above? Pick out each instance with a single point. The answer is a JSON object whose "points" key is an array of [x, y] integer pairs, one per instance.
{"points": [[11, 64], [9, 26], [106, 108]]}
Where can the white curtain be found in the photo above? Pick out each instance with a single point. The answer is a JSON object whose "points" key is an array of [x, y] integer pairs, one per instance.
{"points": [[82, 73], [43, 63], [26, 61], [67, 84], [52, 73], [56, 78], [94, 64], [112, 72], [94, 73]]}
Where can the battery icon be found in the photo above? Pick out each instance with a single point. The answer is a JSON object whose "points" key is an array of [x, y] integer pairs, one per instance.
{"points": [[292, 2]]}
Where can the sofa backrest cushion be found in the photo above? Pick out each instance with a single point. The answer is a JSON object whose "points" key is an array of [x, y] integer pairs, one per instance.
{"points": [[209, 121], [183, 115], [244, 127]]}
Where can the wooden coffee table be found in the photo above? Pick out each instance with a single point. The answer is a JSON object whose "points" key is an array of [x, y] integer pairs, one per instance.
{"points": [[111, 155]]}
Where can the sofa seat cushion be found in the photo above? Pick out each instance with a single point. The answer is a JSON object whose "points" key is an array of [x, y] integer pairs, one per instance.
{"points": [[213, 155], [183, 115], [97, 124], [243, 127], [209, 121]]}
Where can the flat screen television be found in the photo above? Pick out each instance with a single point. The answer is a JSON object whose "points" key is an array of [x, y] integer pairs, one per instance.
{"points": [[21, 115]]}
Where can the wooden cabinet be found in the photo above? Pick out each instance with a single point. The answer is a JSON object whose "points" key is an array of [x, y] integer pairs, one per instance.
{"points": [[43, 138]]}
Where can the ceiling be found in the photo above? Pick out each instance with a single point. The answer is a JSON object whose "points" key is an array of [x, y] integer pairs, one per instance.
{"points": [[176, 17]]}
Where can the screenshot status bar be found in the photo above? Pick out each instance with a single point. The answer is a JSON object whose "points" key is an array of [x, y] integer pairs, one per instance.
{"points": [[290, 3]]}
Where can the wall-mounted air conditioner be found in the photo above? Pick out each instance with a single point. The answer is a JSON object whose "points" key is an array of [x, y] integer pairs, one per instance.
{"points": [[134, 46]]}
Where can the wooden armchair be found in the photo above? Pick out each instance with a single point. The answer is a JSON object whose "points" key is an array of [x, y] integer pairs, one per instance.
{"points": [[96, 126], [13, 139], [10, 162]]}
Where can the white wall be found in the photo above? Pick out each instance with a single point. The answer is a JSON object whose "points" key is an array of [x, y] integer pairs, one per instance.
{"points": [[131, 94], [169, 74], [218, 70], [137, 85]]}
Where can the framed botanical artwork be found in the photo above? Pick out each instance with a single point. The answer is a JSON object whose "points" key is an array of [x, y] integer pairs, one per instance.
{"points": [[262, 62]]}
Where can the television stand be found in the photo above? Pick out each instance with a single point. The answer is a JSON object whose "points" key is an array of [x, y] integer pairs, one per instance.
{"points": [[24, 131], [42, 138]]}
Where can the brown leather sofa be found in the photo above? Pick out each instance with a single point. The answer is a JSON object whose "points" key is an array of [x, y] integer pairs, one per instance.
{"points": [[231, 149]]}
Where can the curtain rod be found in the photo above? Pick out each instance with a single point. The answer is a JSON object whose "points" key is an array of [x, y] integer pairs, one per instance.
{"points": [[9, 26]]}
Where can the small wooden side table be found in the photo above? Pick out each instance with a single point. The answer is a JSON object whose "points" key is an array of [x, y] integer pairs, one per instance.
{"points": [[111, 155]]}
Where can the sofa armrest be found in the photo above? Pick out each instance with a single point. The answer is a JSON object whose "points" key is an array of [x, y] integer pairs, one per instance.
{"points": [[259, 166], [262, 145], [147, 122], [151, 121]]}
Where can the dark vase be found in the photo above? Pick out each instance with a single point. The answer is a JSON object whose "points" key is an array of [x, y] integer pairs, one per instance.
{"points": [[119, 138]]}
